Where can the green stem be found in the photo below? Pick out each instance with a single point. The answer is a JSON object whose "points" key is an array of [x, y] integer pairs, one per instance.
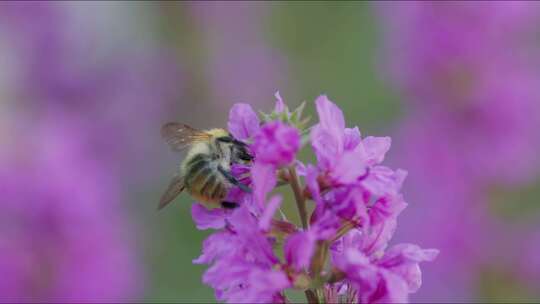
{"points": [[299, 197], [342, 231], [319, 260], [311, 296]]}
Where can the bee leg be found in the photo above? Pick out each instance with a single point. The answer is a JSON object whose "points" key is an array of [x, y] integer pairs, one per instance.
{"points": [[233, 180], [229, 205]]}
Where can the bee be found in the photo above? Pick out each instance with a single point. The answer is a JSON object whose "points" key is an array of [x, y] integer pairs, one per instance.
{"points": [[205, 172]]}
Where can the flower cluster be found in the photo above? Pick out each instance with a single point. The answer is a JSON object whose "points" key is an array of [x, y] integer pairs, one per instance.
{"points": [[339, 253]]}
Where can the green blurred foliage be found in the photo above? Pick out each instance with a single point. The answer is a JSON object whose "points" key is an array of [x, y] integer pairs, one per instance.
{"points": [[332, 49], [518, 205], [495, 284]]}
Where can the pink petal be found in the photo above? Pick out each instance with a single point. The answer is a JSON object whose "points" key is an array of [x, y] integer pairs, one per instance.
{"points": [[205, 218], [299, 249], [264, 180], [268, 214], [243, 121], [280, 105], [376, 148]]}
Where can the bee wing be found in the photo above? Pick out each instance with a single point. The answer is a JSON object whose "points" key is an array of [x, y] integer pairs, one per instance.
{"points": [[173, 190], [179, 136]]}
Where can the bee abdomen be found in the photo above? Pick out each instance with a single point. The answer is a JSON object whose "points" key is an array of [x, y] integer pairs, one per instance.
{"points": [[199, 165], [209, 184], [219, 192], [214, 189], [195, 168], [196, 176], [203, 181]]}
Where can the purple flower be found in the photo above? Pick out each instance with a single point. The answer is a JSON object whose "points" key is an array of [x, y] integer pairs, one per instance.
{"points": [[375, 148], [340, 151], [276, 144], [372, 242], [357, 202], [328, 136], [264, 180], [240, 254], [389, 278], [299, 249], [373, 284], [403, 260], [346, 203], [266, 218], [280, 105], [382, 180], [205, 219], [216, 246], [243, 121], [238, 281], [363, 191]]}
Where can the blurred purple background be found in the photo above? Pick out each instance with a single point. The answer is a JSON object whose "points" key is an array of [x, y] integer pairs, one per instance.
{"points": [[85, 87]]}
